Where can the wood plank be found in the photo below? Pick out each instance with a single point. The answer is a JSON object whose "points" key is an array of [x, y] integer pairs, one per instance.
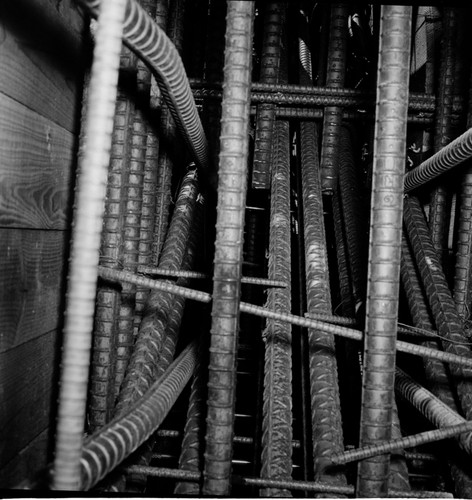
{"points": [[40, 57], [28, 375], [28, 462], [36, 169], [31, 284]]}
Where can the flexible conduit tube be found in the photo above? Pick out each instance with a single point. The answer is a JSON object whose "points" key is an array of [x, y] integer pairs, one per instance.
{"points": [[385, 245], [117, 440], [152, 45], [274, 17], [232, 188], [88, 220], [277, 400], [416, 350], [333, 115]]}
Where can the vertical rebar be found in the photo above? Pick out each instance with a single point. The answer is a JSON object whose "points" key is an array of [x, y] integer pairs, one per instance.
{"points": [[335, 74], [325, 405], [277, 414], [384, 245], [441, 197], [88, 221], [232, 186], [274, 15]]}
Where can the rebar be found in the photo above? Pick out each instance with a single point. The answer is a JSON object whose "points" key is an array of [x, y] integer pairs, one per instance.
{"points": [[448, 321], [335, 74], [274, 16], [251, 280], [88, 220], [232, 185], [316, 487], [385, 245], [120, 276], [277, 399]]}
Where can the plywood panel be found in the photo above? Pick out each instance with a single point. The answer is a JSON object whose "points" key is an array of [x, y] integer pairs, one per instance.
{"points": [[28, 462], [31, 284], [27, 388], [36, 169], [40, 57]]}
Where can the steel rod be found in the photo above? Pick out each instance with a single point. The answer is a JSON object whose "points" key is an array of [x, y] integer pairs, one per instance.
{"points": [[385, 246]]}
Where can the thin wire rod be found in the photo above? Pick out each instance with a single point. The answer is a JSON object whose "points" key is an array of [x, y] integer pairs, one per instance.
{"points": [[399, 444], [316, 487], [119, 276], [250, 280]]}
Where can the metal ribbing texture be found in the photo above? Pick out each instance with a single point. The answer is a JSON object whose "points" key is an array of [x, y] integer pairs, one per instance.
{"points": [[384, 245], [440, 198], [274, 16], [277, 406], [88, 220], [103, 370], [462, 277], [324, 391], [151, 44], [232, 188], [437, 412], [124, 434], [336, 70], [144, 360], [448, 321], [125, 276]]}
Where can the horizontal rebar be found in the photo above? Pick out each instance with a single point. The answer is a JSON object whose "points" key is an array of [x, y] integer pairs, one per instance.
{"points": [[399, 444], [183, 475], [249, 280], [126, 276], [326, 96]]}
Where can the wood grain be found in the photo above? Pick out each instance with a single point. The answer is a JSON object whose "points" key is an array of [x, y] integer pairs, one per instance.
{"points": [[40, 57], [28, 376], [33, 458], [36, 169], [31, 284]]}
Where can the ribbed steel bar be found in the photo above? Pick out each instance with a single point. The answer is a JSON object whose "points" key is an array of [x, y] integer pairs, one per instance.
{"points": [[88, 221], [437, 412], [324, 390], [274, 16], [158, 271], [316, 487], [232, 185], [308, 95], [102, 375], [107, 448], [463, 269], [335, 74], [398, 478], [151, 44], [384, 245], [277, 399], [406, 442], [121, 276], [144, 361], [440, 205]]}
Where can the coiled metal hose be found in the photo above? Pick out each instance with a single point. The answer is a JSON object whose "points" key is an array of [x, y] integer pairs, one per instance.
{"points": [[384, 245], [152, 45], [88, 220], [232, 187]]}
